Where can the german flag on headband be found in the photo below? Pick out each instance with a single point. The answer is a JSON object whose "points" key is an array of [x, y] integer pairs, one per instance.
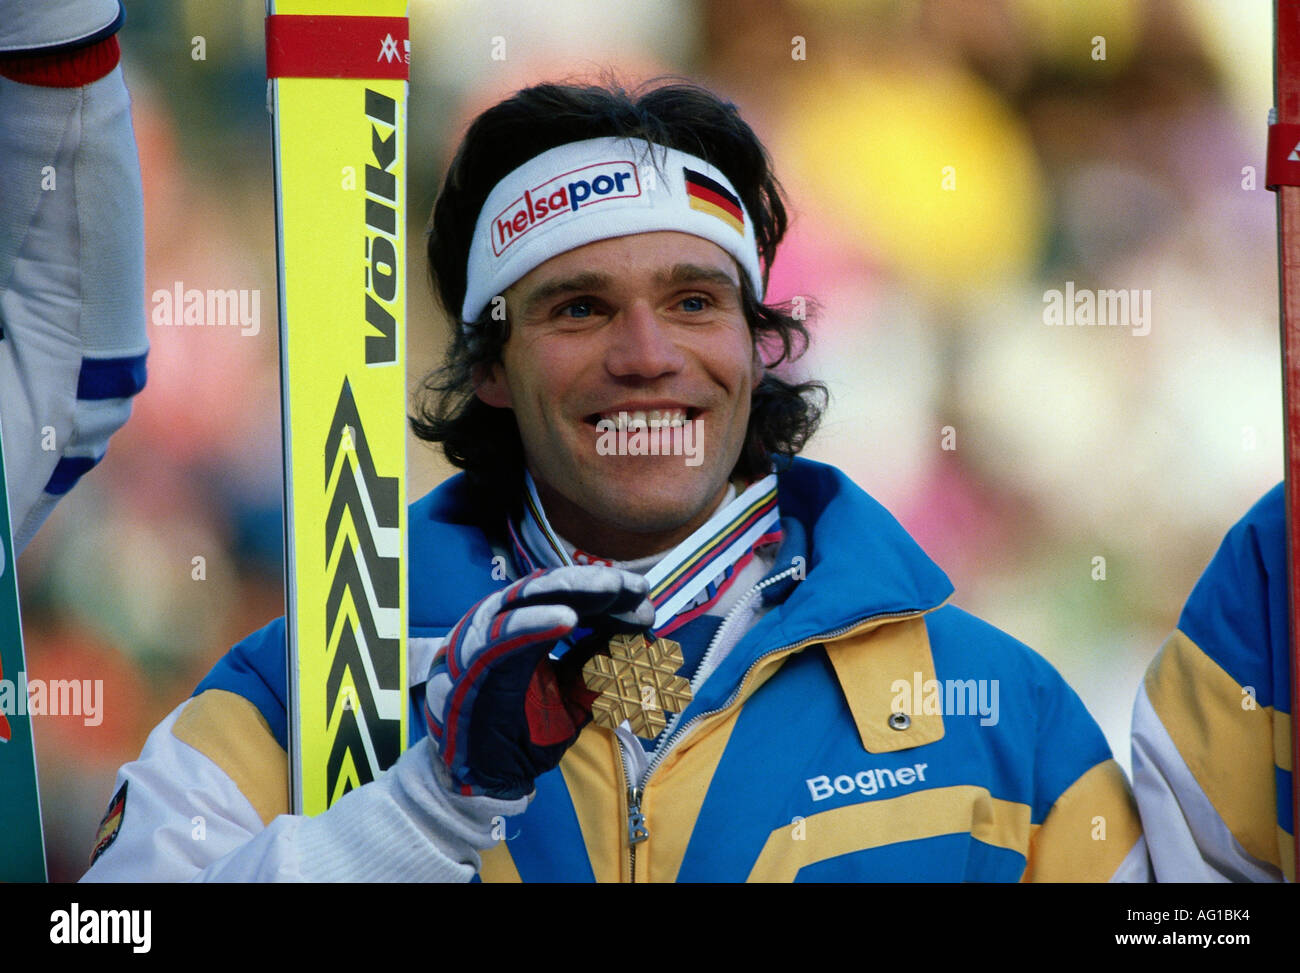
{"points": [[709, 196]]}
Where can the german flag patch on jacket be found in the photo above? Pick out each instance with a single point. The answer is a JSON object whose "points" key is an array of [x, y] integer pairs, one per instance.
{"points": [[111, 823]]}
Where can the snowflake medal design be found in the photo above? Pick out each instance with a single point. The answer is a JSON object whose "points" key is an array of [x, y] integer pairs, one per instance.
{"points": [[637, 682]]}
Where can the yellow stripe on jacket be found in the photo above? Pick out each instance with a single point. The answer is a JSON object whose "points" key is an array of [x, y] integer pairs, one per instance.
{"points": [[873, 824], [1089, 832], [1224, 737], [232, 733]]}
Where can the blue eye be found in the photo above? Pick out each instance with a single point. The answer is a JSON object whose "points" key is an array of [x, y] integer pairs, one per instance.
{"points": [[577, 309], [694, 304]]}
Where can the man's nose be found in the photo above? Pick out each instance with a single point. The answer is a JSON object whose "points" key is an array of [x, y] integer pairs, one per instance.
{"points": [[641, 344]]}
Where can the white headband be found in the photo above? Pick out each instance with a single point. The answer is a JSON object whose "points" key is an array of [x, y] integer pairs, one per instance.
{"points": [[593, 190]]}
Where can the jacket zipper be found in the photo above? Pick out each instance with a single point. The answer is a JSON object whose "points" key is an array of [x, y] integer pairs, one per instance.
{"points": [[637, 829]]}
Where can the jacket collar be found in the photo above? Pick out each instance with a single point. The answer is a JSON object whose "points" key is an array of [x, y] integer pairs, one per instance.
{"points": [[859, 561], [858, 564]]}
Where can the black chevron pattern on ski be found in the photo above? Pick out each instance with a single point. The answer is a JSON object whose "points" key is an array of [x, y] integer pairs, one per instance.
{"points": [[353, 567], [347, 739], [382, 489], [384, 652]]}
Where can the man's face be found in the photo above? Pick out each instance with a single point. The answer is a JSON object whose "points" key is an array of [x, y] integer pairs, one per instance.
{"points": [[650, 323]]}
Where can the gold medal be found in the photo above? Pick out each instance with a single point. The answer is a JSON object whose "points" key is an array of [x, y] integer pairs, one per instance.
{"points": [[637, 682]]}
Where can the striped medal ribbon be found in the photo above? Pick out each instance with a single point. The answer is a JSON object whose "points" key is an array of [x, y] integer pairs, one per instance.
{"points": [[685, 571]]}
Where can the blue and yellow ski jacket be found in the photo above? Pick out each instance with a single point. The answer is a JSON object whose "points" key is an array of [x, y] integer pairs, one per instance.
{"points": [[1212, 722], [861, 730]]}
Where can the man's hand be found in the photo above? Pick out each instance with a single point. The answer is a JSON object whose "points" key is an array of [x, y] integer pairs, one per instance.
{"points": [[498, 709]]}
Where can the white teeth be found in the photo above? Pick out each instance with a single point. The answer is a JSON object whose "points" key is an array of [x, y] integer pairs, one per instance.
{"points": [[671, 418], [646, 419]]}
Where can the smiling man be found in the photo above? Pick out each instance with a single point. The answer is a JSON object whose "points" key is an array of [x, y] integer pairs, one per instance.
{"points": [[640, 662], [642, 331]]}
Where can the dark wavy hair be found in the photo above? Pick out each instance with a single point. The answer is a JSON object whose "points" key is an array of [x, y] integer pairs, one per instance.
{"points": [[483, 440]]}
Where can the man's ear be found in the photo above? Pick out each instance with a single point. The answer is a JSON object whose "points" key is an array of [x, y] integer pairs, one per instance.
{"points": [[491, 387], [759, 368]]}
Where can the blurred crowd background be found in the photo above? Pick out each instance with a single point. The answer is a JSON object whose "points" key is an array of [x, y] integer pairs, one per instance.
{"points": [[1118, 144]]}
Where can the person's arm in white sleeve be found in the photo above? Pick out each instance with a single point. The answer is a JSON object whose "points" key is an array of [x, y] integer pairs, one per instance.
{"points": [[205, 802], [72, 319], [1189, 840], [206, 799]]}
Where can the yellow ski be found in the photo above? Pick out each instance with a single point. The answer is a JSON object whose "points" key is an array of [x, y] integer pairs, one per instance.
{"points": [[338, 81]]}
